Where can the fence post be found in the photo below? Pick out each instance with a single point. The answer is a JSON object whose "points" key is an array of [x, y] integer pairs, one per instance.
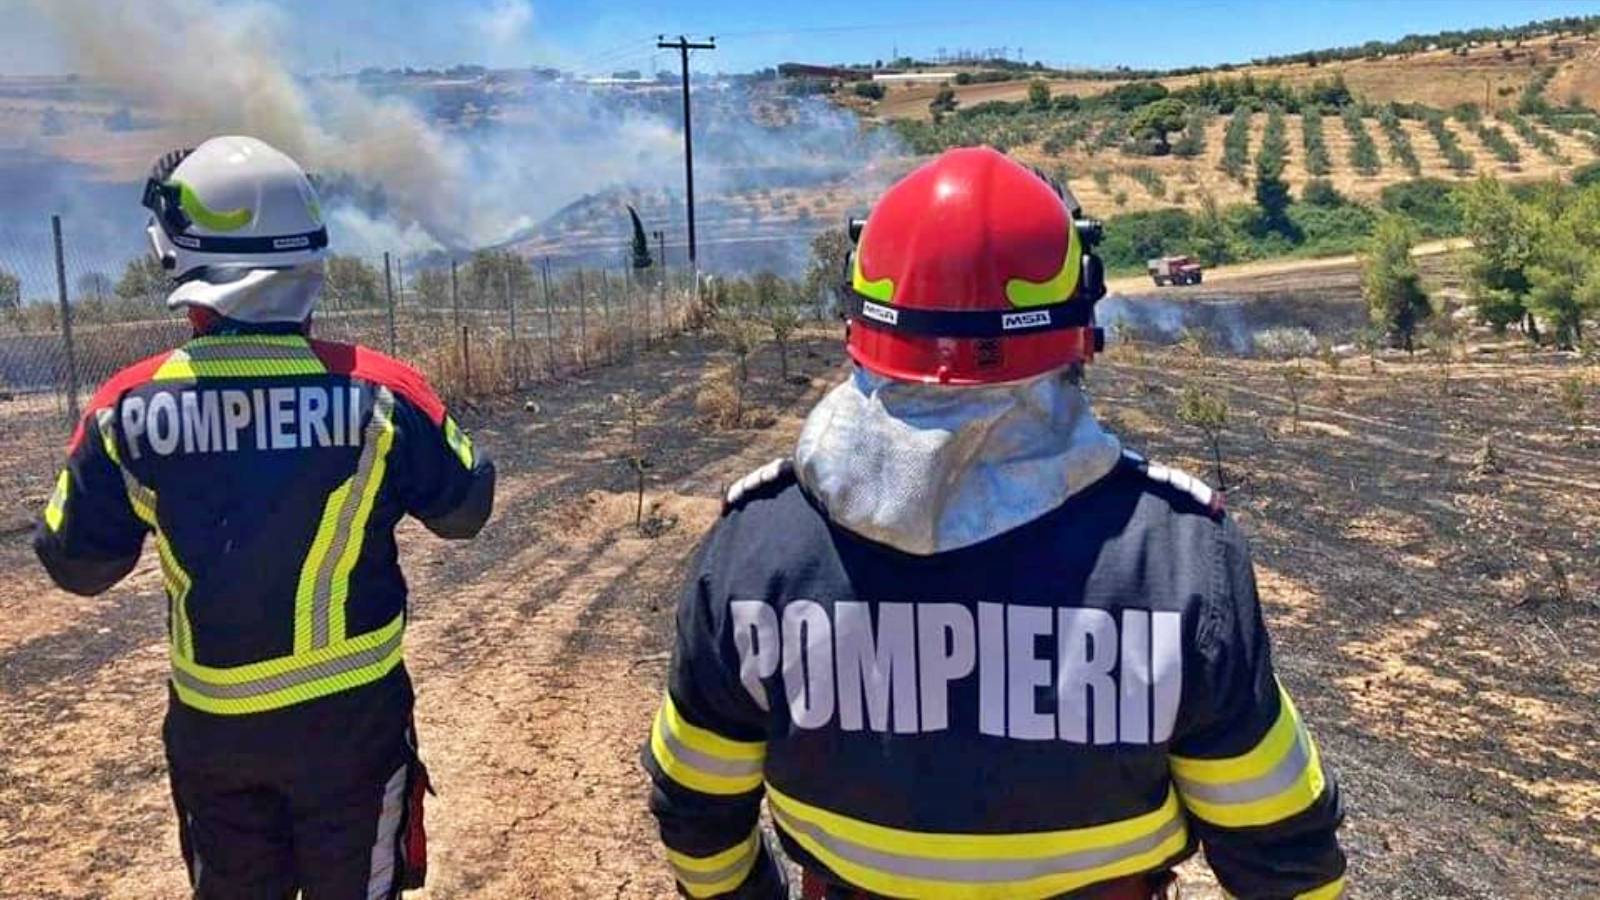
{"points": [[455, 306], [388, 292], [583, 325], [549, 315], [66, 320], [511, 307], [605, 311]]}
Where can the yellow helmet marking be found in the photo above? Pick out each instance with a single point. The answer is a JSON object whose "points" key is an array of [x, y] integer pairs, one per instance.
{"points": [[881, 290], [1022, 292], [195, 208]]}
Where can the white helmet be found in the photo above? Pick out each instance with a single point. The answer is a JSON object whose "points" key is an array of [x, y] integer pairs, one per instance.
{"points": [[238, 225]]}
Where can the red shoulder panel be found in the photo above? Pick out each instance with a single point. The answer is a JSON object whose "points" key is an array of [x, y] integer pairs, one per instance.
{"points": [[112, 389], [370, 365]]}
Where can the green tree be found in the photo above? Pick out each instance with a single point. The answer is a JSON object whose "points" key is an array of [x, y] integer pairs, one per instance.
{"points": [[1564, 277], [1502, 234], [144, 280], [432, 287], [1151, 123], [1391, 284], [1212, 239], [350, 282], [1272, 195], [943, 102], [824, 275], [490, 273], [1039, 94], [10, 292]]}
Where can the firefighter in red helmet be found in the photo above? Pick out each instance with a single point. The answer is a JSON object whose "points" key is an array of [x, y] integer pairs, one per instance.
{"points": [[963, 643]]}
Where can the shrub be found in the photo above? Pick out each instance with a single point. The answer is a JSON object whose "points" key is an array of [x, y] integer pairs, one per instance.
{"points": [[1206, 409], [1193, 141], [1399, 142], [870, 90], [1152, 181], [1391, 285], [1321, 192], [1498, 144], [1132, 238], [1533, 137], [1311, 138], [1459, 160], [1363, 151], [1428, 203], [1236, 144]]}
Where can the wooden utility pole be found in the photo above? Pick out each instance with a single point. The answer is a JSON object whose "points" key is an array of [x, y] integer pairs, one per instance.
{"points": [[683, 45]]}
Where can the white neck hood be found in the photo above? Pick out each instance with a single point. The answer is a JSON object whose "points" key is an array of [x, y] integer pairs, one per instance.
{"points": [[254, 295], [929, 468]]}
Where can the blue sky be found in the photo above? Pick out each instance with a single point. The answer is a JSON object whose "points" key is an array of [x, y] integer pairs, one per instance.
{"points": [[605, 36]]}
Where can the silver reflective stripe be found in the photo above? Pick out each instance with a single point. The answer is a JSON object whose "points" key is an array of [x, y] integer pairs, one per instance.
{"points": [[241, 352], [715, 765], [1274, 782], [977, 871], [690, 876], [295, 678], [322, 588], [380, 883]]}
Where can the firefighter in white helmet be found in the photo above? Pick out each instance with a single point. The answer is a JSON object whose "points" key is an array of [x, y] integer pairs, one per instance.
{"points": [[270, 470]]}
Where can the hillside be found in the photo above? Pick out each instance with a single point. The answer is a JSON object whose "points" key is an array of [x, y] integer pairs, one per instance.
{"points": [[1441, 78], [1521, 111]]}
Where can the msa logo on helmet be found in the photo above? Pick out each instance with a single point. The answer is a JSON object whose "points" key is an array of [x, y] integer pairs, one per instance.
{"points": [[880, 313], [291, 243], [1016, 321]]}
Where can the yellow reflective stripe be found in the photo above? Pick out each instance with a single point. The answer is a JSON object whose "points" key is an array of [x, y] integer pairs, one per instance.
{"points": [[175, 579], [458, 440], [702, 760], [241, 356], [881, 290], [708, 876], [1059, 287], [325, 574], [195, 208], [188, 370], [56, 509], [1279, 777], [276, 683], [901, 863]]}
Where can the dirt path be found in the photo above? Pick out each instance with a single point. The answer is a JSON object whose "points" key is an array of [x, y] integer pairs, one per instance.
{"points": [[1140, 284], [1450, 682]]}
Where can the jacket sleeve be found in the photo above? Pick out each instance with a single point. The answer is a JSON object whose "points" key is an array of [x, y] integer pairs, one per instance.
{"points": [[1245, 765], [706, 752], [445, 480], [89, 537]]}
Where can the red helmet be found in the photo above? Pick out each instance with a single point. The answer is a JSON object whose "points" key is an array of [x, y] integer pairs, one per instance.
{"points": [[971, 270]]}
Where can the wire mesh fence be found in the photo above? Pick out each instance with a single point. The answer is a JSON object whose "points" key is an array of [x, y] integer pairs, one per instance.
{"points": [[495, 322]]}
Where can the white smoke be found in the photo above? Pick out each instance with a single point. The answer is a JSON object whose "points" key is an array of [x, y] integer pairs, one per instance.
{"points": [[211, 70], [410, 184], [504, 22]]}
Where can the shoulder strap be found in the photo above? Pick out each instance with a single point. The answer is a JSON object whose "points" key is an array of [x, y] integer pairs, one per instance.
{"points": [[1212, 500], [763, 482]]}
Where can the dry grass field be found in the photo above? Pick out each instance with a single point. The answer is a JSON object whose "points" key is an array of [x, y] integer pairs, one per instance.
{"points": [[1436, 614]]}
